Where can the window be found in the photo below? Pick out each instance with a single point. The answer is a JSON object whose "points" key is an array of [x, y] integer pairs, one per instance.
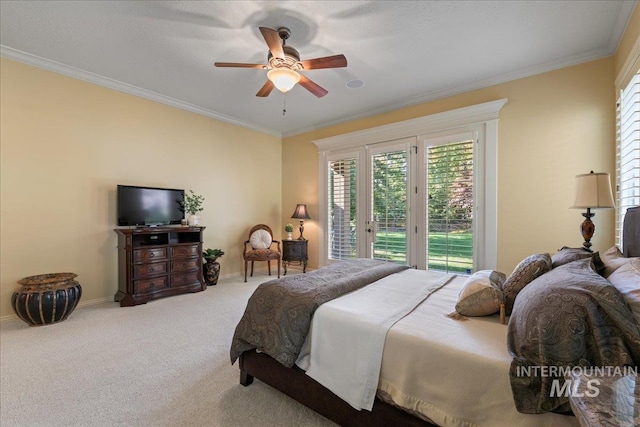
{"points": [[450, 206], [627, 152], [421, 192], [342, 208]]}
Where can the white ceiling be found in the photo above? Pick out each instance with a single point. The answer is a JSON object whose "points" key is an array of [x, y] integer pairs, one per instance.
{"points": [[406, 52]]}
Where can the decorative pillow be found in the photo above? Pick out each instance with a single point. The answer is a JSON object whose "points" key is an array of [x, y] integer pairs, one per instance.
{"points": [[481, 294], [612, 259], [260, 239], [527, 270], [627, 280], [567, 255]]}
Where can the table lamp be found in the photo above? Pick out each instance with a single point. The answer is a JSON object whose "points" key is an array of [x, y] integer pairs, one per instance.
{"points": [[301, 214], [593, 191]]}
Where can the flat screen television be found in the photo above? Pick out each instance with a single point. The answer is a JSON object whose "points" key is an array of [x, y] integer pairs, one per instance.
{"points": [[149, 206]]}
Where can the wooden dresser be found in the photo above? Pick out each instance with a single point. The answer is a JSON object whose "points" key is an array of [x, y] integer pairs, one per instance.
{"points": [[157, 262]]}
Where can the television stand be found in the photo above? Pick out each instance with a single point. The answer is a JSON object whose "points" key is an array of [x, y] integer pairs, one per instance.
{"points": [[155, 262]]}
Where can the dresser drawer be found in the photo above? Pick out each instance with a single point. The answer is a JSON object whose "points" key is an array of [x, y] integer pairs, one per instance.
{"points": [[150, 285], [183, 279], [151, 269], [186, 251], [188, 264], [145, 255]]}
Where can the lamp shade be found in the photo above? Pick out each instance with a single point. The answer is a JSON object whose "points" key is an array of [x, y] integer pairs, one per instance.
{"points": [[283, 78], [301, 212], [593, 190]]}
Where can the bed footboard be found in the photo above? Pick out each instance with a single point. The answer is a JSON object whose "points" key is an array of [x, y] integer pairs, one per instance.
{"points": [[294, 383]]}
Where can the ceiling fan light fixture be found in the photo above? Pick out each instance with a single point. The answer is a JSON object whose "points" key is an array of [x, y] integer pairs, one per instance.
{"points": [[283, 78]]}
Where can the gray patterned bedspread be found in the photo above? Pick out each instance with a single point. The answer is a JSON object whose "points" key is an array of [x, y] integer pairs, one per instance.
{"points": [[568, 317], [278, 314]]}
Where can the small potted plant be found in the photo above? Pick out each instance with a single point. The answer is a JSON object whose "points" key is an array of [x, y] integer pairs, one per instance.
{"points": [[289, 229], [211, 267], [193, 204]]}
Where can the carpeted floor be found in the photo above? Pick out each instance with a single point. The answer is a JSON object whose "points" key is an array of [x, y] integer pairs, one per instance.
{"points": [[165, 363]]}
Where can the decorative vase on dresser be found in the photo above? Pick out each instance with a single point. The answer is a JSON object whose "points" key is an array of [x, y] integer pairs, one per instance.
{"points": [[46, 298]]}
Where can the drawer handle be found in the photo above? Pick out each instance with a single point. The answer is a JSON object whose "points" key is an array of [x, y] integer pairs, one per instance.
{"points": [[151, 255], [150, 269]]}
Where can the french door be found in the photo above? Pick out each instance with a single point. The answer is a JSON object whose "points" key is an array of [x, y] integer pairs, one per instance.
{"points": [[427, 197], [409, 201], [388, 198]]}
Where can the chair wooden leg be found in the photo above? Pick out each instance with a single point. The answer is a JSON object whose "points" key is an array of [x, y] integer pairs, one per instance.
{"points": [[278, 268], [251, 268], [246, 265], [269, 267]]}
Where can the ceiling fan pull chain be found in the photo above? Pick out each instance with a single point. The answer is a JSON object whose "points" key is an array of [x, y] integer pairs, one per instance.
{"points": [[284, 104]]}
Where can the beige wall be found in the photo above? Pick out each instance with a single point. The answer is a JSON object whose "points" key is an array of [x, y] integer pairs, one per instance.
{"points": [[66, 144], [554, 126]]}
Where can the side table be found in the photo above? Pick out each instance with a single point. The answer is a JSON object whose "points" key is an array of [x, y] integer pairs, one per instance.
{"points": [[296, 251]]}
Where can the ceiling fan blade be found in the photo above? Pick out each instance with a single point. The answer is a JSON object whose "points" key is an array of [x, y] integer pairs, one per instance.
{"points": [[266, 89], [335, 61], [239, 65], [273, 41], [312, 87]]}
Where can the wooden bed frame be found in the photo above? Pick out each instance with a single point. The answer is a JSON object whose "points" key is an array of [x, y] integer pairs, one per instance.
{"points": [[296, 384]]}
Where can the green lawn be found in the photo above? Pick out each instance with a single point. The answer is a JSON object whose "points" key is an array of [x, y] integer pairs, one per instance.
{"points": [[392, 246]]}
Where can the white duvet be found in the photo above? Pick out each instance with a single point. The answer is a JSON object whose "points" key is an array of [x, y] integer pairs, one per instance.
{"points": [[452, 372]]}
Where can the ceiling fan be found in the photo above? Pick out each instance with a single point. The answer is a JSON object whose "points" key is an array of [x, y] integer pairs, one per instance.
{"points": [[284, 65]]}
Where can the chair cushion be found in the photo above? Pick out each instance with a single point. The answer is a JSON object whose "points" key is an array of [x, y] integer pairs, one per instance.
{"points": [[261, 255], [260, 239]]}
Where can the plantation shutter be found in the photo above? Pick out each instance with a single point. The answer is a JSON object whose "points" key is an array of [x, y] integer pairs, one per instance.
{"points": [[450, 206], [389, 189], [342, 180], [627, 152]]}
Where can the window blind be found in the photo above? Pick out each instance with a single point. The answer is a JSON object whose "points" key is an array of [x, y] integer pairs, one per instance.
{"points": [[342, 209], [389, 189], [627, 152], [450, 207]]}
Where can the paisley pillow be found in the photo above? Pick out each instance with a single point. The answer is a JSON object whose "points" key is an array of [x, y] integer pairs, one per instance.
{"points": [[567, 255], [528, 269], [260, 239]]}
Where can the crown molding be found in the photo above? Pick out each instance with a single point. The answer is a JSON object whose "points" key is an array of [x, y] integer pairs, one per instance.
{"points": [[420, 125], [119, 86]]}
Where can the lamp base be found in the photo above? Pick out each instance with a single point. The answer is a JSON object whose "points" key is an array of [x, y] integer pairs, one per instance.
{"points": [[587, 228], [301, 230]]}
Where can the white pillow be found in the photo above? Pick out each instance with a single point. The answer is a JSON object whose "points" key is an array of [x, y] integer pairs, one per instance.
{"points": [[260, 239], [481, 294], [627, 280]]}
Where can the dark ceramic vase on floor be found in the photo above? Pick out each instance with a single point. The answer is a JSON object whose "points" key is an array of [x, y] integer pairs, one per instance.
{"points": [[46, 298], [211, 272]]}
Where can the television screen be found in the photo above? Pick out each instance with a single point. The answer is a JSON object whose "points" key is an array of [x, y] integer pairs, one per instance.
{"points": [[149, 206]]}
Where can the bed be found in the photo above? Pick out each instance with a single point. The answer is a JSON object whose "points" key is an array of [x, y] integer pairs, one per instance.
{"points": [[434, 368]]}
